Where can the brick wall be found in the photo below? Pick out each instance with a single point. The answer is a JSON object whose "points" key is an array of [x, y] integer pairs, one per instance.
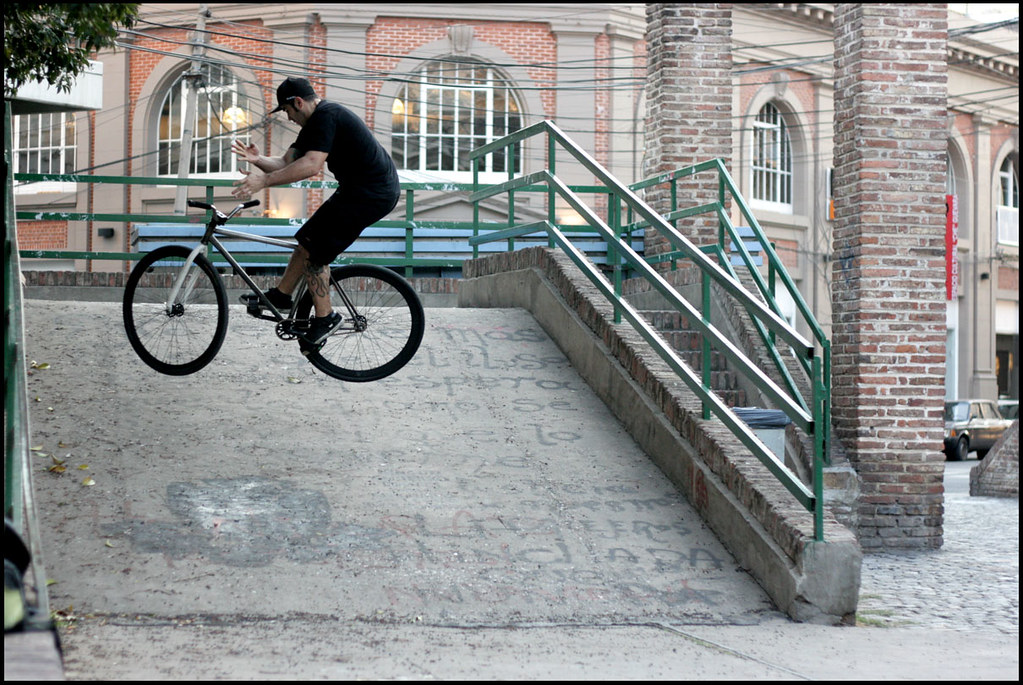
{"points": [[888, 341], [114, 279], [689, 106], [527, 42], [42, 235], [316, 58], [751, 80]]}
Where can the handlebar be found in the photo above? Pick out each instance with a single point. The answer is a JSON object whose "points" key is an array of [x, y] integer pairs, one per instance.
{"points": [[220, 215], [203, 205]]}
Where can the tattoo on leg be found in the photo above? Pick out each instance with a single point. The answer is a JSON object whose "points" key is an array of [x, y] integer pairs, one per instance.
{"points": [[315, 281]]}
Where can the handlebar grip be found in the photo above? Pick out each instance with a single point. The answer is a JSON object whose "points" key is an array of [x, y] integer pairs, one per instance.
{"points": [[250, 203], [199, 205]]}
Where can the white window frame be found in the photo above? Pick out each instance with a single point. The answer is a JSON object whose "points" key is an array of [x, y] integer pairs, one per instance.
{"points": [[29, 143], [209, 129], [431, 108], [771, 163], [1007, 211]]}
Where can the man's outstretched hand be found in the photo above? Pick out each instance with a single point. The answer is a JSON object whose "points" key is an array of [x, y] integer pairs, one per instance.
{"points": [[247, 153]]}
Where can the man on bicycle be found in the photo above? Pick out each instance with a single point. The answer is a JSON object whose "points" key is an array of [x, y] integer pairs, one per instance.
{"points": [[367, 191]]}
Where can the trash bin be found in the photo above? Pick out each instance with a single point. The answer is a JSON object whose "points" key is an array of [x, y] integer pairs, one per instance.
{"points": [[768, 425]]}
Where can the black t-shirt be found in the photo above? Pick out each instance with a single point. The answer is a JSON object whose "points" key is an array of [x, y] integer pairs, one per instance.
{"points": [[360, 164]]}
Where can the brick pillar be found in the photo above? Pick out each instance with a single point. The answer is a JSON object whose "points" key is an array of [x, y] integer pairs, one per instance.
{"points": [[689, 106], [316, 58], [888, 340]]}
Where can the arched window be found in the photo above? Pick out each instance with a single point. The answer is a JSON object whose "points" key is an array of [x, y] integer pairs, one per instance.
{"points": [[1008, 203], [771, 161], [221, 115], [448, 109]]}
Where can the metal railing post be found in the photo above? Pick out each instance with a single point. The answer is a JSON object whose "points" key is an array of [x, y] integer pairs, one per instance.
{"points": [[819, 414], [705, 350], [614, 260], [475, 206], [551, 163], [409, 228]]}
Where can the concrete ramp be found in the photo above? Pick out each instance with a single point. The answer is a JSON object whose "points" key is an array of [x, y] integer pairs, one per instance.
{"points": [[483, 485]]}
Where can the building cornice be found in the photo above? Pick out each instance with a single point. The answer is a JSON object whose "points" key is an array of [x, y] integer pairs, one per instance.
{"points": [[968, 53]]}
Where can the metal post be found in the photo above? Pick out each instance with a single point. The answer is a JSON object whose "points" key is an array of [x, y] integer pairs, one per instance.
{"points": [[475, 206], [551, 215], [191, 105], [510, 156], [705, 350], [614, 259], [818, 453], [410, 214], [14, 441]]}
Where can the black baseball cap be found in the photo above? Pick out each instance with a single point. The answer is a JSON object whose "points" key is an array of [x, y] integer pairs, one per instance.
{"points": [[293, 87]]}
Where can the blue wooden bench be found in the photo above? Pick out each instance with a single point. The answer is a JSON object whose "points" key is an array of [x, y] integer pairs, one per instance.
{"points": [[377, 242], [751, 243]]}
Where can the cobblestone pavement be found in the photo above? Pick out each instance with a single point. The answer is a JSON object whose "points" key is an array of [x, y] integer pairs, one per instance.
{"points": [[971, 583]]}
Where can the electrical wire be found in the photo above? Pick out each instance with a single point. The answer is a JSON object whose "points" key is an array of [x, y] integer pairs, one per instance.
{"points": [[609, 85], [632, 84]]}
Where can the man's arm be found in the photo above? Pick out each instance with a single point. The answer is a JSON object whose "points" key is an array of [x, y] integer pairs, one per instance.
{"points": [[296, 168], [293, 169], [250, 153]]}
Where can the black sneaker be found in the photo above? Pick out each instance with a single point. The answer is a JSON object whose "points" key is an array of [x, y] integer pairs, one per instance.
{"points": [[320, 328], [282, 301]]}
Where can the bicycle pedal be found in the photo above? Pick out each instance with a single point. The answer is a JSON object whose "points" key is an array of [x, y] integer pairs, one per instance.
{"points": [[307, 348]]}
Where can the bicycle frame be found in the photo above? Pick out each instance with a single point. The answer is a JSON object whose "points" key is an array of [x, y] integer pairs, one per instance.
{"points": [[226, 254], [215, 228]]}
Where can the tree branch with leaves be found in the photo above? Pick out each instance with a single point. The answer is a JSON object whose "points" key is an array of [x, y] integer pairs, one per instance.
{"points": [[53, 42]]}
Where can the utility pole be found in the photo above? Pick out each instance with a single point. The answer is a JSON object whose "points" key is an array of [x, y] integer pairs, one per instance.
{"points": [[191, 105]]}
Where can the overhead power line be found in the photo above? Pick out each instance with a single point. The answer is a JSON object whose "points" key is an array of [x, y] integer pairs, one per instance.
{"points": [[338, 75]]}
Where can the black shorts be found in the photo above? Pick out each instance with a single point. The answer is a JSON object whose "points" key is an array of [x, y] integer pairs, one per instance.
{"points": [[338, 222]]}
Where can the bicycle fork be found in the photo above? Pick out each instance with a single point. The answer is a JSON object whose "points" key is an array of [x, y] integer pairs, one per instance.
{"points": [[184, 283]]}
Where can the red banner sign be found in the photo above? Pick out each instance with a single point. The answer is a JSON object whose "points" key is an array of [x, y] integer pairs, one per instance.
{"points": [[951, 246]]}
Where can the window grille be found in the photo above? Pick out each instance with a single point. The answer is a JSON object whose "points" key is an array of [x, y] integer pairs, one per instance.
{"points": [[221, 115], [1007, 212], [45, 144], [448, 109], [771, 160]]}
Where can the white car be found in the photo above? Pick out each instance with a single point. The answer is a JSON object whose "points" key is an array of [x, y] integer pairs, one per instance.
{"points": [[972, 425]]}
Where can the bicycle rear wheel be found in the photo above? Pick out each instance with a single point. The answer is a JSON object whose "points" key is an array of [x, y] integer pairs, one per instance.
{"points": [[379, 335], [180, 337]]}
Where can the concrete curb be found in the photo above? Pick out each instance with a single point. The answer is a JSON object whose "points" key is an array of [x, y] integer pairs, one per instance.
{"points": [[810, 581]]}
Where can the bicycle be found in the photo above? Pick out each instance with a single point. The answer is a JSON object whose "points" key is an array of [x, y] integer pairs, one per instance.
{"points": [[175, 309]]}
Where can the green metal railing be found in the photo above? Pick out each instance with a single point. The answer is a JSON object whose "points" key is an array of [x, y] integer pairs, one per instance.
{"points": [[409, 223], [19, 494], [809, 414], [409, 260], [625, 215], [777, 276]]}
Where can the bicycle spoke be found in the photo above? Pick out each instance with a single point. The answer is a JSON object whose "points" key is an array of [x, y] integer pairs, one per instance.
{"points": [[182, 336], [382, 329]]}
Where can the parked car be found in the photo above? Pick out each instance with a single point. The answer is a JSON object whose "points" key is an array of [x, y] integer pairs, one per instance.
{"points": [[972, 425], [1009, 409]]}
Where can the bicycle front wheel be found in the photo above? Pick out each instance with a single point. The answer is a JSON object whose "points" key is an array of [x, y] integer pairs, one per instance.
{"points": [[382, 329], [183, 336]]}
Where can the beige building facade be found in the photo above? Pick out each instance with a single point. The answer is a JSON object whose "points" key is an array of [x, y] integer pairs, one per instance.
{"points": [[435, 80]]}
